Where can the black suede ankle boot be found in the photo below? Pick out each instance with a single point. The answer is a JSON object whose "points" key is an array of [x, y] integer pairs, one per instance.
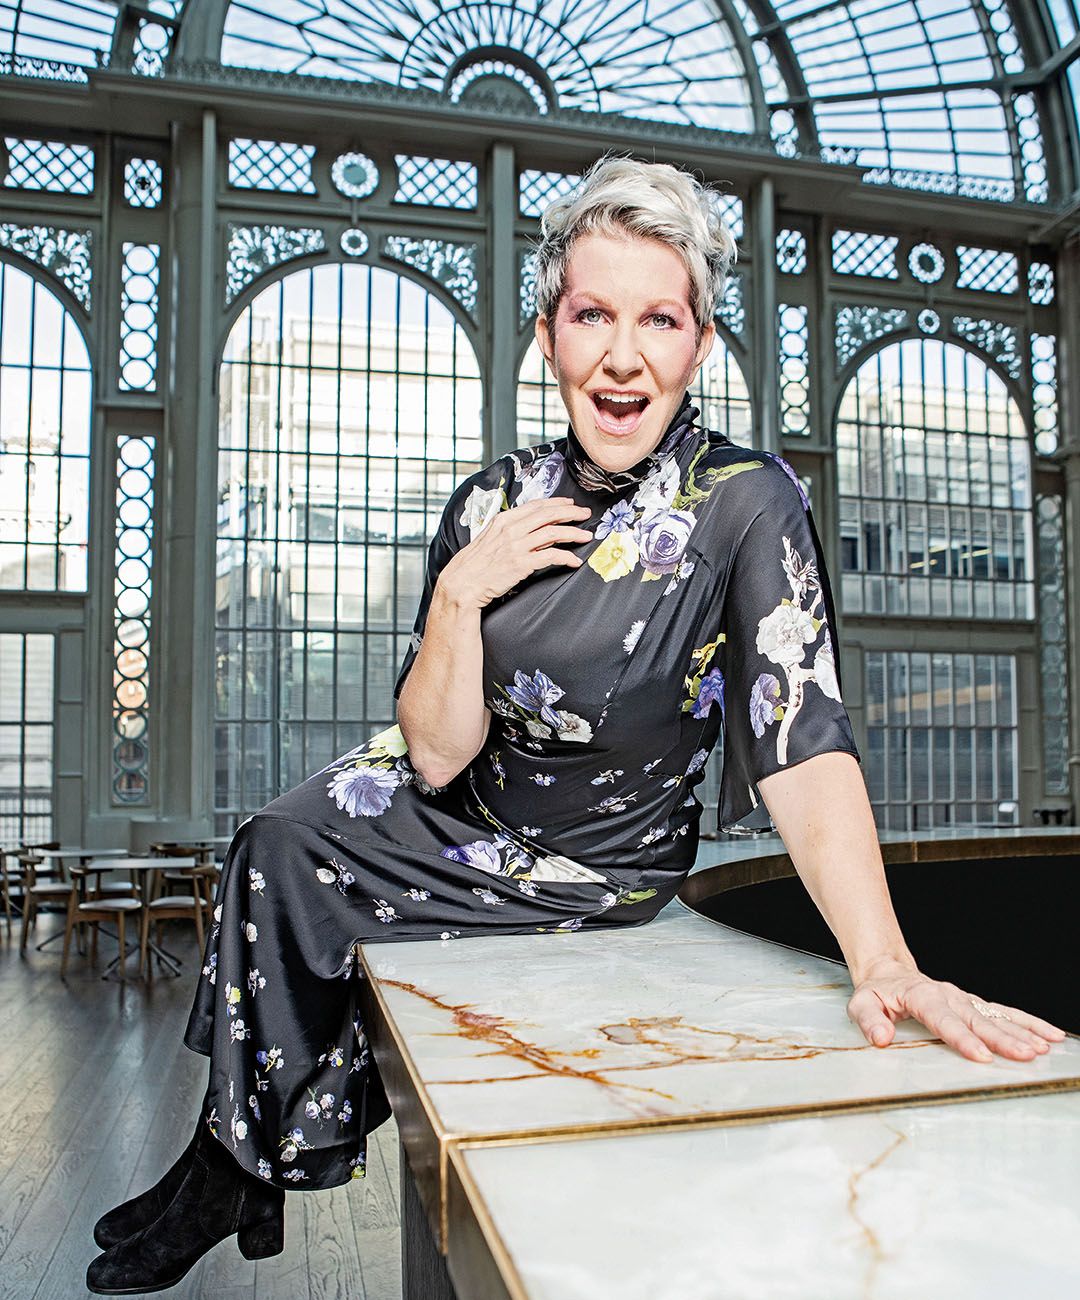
{"points": [[142, 1210], [216, 1198]]}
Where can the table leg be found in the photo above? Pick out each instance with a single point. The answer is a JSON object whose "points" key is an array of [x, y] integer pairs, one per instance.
{"points": [[423, 1268]]}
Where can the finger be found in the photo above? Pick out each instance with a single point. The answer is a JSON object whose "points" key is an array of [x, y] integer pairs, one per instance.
{"points": [[1004, 1037], [554, 533], [1025, 1020], [865, 1011], [553, 555], [951, 1029]]}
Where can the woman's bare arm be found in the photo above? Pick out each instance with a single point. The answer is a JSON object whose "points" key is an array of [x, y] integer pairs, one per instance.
{"points": [[441, 708]]}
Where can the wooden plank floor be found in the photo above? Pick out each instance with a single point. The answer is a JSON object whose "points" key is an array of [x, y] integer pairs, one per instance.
{"points": [[98, 1096]]}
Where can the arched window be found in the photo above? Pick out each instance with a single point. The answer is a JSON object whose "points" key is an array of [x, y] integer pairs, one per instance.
{"points": [[350, 408], [45, 414]]}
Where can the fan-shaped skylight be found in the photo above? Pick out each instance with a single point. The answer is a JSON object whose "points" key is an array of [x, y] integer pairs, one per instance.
{"points": [[37, 35]]}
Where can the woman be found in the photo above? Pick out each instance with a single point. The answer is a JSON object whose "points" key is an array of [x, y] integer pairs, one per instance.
{"points": [[596, 609]]}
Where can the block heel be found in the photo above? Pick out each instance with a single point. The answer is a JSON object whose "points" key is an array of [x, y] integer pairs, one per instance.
{"points": [[263, 1239]]}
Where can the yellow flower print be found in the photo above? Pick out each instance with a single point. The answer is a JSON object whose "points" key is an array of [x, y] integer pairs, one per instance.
{"points": [[615, 557], [390, 742]]}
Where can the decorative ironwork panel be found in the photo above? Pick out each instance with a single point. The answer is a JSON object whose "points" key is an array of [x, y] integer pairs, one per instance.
{"points": [[854, 328], [675, 63], [1041, 284], [793, 333], [451, 265], [139, 277], [132, 588], [730, 209], [142, 183], [66, 254], [537, 189], [254, 250], [1032, 154], [1053, 645], [526, 287], [987, 269], [926, 263], [854, 252], [934, 480], [26, 737], [784, 132], [942, 739], [43, 39], [435, 182], [354, 175], [271, 165], [354, 243], [791, 252], [46, 408], [51, 165], [150, 51], [350, 408], [1044, 392], [993, 337], [731, 311]]}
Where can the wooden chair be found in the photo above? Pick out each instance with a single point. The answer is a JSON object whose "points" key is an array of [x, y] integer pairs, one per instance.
{"points": [[83, 910], [174, 907], [36, 890]]}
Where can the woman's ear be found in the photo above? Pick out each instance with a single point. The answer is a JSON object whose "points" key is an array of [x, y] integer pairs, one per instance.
{"points": [[546, 338], [705, 343]]}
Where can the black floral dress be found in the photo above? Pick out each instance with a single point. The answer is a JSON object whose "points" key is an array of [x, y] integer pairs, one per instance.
{"points": [[703, 606]]}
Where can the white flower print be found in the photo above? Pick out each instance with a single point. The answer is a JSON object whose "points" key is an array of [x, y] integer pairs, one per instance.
{"points": [[293, 1142], [417, 895], [527, 887], [685, 569], [251, 932], [573, 924], [480, 508], [532, 832], [232, 998], [294, 1175], [217, 914], [539, 729], [632, 637], [783, 635], [253, 1106], [265, 1169], [697, 762], [651, 764], [607, 777], [825, 670], [542, 778], [486, 896], [384, 911], [614, 803], [345, 1113], [449, 934], [256, 881], [333, 1056], [364, 790], [255, 981], [607, 900], [559, 868], [571, 727], [238, 1031], [653, 834], [657, 489], [335, 874], [210, 969]]}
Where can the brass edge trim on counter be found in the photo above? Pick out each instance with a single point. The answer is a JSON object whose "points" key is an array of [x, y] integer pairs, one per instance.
{"points": [[485, 1221], [763, 1114]]}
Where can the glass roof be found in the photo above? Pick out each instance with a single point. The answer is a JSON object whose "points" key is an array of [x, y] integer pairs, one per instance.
{"points": [[931, 94]]}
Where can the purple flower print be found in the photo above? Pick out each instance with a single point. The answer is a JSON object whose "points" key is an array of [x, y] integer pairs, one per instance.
{"points": [[764, 697], [363, 791], [481, 854], [537, 694], [619, 519], [662, 537], [540, 479], [709, 693]]}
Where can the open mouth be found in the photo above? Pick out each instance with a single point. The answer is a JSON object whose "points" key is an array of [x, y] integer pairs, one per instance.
{"points": [[618, 412]]}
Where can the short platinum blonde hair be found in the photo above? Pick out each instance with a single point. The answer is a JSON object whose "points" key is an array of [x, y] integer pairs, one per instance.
{"points": [[620, 196]]}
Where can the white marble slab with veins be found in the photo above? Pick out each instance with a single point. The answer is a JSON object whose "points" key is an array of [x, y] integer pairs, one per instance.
{"points": [[678, 1018]]}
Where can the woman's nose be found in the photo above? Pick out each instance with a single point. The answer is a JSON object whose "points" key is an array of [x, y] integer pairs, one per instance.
{"points": [[623, 355]]}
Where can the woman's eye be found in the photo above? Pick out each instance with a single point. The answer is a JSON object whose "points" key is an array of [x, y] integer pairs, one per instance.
{"points": [[590, 315], [664, 319]]}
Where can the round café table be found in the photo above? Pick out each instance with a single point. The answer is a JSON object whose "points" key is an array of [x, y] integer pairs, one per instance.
{"points": [[143, 869]]}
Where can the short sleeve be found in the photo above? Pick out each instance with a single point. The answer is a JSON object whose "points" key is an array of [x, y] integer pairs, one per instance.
{"points": [[782, 700], [470, 507]]}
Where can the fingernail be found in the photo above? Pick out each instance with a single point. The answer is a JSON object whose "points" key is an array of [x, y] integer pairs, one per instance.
{"points": [[878, 1035]]}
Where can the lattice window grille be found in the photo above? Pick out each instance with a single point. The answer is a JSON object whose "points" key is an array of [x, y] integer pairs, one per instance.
{"points": [[50, 165], [449, 264], [856, 327], [537, 189], [732, 309], [140, 274], [942, 739], [27, 736], [435, 182], [855, 252], [142, 183], [1008, 44], [150, 51], [1053, 645], [271, 165], [254, 250], [1044, 392], [1041, 284], [132, 587], [784, 133], [989, 270], [66, 254], [993, 337], [791, 252], [794, 342], [526, 287], [729, 207], [1032, 156]]}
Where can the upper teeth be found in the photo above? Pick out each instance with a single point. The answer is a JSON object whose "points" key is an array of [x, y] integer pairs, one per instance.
{"points": [[620, 397]]}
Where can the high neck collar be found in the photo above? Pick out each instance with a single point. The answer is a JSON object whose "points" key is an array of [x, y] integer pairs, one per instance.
{"points": [[594, 478]]}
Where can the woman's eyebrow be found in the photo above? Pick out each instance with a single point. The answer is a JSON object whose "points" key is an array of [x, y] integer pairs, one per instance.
{"points": [[601, 301]]}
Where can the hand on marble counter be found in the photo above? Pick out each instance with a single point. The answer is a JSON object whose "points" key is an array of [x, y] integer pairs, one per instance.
{"points": [[894, 991]]}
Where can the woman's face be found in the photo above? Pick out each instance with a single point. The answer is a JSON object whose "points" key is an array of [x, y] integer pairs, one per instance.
{"points": [[624, 344]]}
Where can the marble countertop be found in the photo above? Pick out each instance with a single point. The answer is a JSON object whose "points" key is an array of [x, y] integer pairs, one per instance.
{"points": [[971, 1202]]}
